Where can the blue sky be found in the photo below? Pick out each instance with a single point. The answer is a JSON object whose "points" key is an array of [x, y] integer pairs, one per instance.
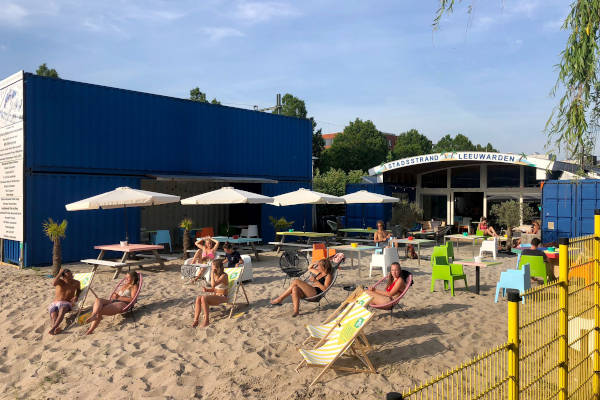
{"points": [[487, 74]]}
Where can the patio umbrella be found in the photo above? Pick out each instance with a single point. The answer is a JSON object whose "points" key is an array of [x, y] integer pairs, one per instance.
{"points": [[122, 197], [227, 195], [305, 196], [365, 197]]}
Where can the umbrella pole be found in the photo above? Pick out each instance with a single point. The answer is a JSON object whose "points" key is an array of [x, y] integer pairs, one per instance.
{"points": [[125, 216]]}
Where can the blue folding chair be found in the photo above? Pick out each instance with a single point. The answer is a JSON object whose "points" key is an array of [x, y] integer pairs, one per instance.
{"points": [[162, 237], [519, 279]]}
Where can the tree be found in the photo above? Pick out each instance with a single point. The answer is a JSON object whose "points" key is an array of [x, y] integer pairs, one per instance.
{"points": [[406, 214], [508, 213], [334, 181], [293, 106], [55, 232], [186, 225], [197, 95], [460, 142], [574, 121], [359, 146], [411, 143], [43, 70]]}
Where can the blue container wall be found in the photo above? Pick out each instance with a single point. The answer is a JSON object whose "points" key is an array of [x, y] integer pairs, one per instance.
{"points": [[12, 250], [46, 197], [301, 214], [78, 127], [569, 206], [356, 214]]}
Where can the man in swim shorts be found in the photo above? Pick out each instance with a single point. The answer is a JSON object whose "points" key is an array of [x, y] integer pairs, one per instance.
{"points": [[66, 292]]}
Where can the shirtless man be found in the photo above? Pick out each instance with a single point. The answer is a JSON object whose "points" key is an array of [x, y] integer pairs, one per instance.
{"points": [[66, 293]]}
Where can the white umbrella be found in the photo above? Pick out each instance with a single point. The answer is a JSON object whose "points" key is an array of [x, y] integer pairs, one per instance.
{"points": [[305, 196], [363, 196], [122, 197], [227, 195]]}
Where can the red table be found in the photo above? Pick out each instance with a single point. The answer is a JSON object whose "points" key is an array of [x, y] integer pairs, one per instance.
{"points": [[129, 249]]}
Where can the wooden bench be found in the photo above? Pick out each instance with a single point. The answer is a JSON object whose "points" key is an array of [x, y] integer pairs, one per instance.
{"points": [[113, 264], [152, 256]]}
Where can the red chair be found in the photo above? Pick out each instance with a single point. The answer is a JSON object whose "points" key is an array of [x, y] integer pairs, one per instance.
{"points": [[206, 231]]}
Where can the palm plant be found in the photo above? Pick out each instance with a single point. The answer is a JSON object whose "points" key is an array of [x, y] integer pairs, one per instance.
{"points": [[280, 224], [186, 225], [55, 232]]}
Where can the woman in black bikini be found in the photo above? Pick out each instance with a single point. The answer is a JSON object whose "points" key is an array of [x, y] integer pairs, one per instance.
{"points": [[117, 302], [321, 277]]}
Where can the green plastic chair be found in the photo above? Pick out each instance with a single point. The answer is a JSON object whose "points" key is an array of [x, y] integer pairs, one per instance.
{"points": [[442, 270], [537, 266], [449, 250], [479, 233]]}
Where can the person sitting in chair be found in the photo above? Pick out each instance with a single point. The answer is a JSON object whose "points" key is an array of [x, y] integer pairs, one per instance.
{"points": [[117, 302], [381, 236], [219, 285], [207, 250], [232, 256], [321, 276], [487, 229], [66, 292], [396, 283]]}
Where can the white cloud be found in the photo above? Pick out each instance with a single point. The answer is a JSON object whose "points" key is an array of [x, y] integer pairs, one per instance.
{"points": [[218, 33], [12, 14], [525, 7], [553, 25], [254, 11]]}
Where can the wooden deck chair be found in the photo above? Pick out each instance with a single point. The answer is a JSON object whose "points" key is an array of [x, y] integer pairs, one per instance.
{"points": [[85, 281], [328, 328], [235, 283], [328, 352]]}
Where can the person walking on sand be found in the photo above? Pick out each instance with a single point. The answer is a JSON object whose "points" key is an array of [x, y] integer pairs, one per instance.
{"points": [[66, 292], [219, 285]]}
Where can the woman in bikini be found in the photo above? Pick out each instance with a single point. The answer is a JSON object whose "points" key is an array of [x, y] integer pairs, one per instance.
{"points": [[487, 229], [396, 283], [207, 251], [219, 284], [321, 277], [117, 302]]}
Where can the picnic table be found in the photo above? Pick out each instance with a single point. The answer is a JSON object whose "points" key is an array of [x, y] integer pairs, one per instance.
{"points": [[355, 250], [464, 238], [131, 248], [418, 242], [241, 240], [307, 235], [477, 265]]}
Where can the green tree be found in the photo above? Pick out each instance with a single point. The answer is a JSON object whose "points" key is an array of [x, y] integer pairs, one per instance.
{"points": [[508, 214], [55, 232], [460, 142], [411, 143], [572, 125], [359, 146], [197, 95], [43, 70], [293, 106], [406, 214]]}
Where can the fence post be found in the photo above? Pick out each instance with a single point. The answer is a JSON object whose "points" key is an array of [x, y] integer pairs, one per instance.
{"points": [[563, 318], [596, 379], [513, 340]]}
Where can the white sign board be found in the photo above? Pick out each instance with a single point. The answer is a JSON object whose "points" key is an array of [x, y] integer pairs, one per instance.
{"points": [[12, 148]]}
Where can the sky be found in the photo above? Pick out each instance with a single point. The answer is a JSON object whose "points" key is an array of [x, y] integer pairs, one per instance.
{"points": [[487, 74]]}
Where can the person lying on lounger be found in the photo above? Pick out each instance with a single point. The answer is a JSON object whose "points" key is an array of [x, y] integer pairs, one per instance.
{"points": [[117, 302], [396, 283], [219, 284], [66, 292], [321, 275]]}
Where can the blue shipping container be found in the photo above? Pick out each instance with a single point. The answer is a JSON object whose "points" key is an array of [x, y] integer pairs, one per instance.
{"points": [[568, 208], [78, 127], [301, 214], [358, 215]]}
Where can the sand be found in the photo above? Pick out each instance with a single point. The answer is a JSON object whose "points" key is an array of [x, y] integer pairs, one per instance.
{"points": [[160, 356]]}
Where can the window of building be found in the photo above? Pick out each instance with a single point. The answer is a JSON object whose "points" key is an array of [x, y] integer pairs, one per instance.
{"points": [[504, 176], [434, 207], [328, 142], [466, 177], [529, 178], [438, 179]]}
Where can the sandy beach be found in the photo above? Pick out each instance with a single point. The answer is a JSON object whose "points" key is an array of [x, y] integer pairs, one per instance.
{"points": [[160, 356]]}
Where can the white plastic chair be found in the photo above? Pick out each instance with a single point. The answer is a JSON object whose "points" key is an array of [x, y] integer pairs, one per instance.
{"points": [[390, 255], [244, 232], [252, 231], [489, 246]]}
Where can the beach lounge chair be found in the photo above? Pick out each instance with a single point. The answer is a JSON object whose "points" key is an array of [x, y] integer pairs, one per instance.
{"points": [[317, 298], [390, 306], [329, 351], [337, 318], [85, 280], [129, 308], [235, 283]]}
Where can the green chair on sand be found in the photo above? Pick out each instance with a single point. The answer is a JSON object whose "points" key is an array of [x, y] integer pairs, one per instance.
{"points": [[537, 266], [442, 270], [449, 251], [479, 233]]}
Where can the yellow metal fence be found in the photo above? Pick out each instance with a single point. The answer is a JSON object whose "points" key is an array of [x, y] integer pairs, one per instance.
{"points": [[552, 350]]}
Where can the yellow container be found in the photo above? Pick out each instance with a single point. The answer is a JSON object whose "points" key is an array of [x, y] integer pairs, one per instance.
{"points": [[354, 244]]}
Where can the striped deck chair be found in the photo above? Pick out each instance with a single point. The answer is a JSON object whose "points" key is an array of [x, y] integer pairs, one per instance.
{"points": [[328, 330], [235, 283], [327, 354], [85, 280]]}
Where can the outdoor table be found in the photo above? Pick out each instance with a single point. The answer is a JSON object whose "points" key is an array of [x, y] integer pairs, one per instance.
{"points": [[477, 265], [241, 240], [418, 242], [467, 238], [130, 249], [356, 250]]}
